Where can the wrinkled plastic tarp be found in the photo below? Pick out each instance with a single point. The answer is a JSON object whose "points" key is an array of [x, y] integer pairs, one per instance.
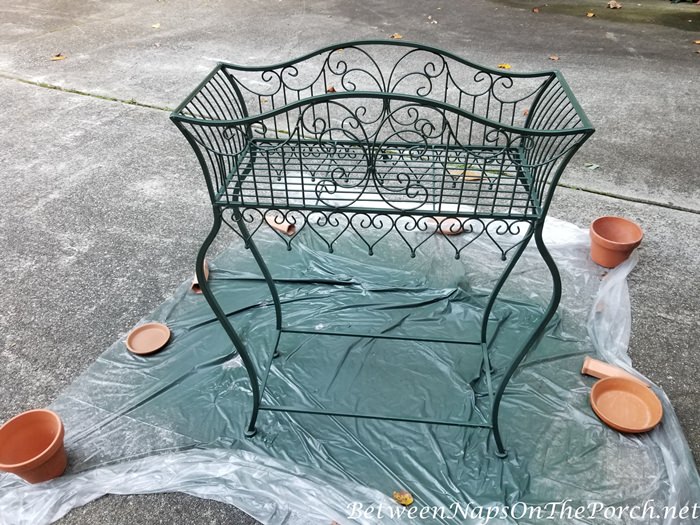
{"points": [[174, 421]]}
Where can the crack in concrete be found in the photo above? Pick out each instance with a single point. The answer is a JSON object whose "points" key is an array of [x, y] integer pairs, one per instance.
{"points": [[54, 87], [132, 102], [639, 200]]}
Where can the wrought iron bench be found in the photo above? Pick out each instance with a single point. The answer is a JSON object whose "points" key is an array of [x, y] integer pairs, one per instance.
{"points": [[382, 135]]}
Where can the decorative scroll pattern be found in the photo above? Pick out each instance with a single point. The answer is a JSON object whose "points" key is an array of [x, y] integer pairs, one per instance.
{"points": [[377, 130], [386, 69], [375, 228]]}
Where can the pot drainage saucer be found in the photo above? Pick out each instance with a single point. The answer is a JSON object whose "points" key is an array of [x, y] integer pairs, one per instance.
{"points": [[626, 405], [147, 338]]}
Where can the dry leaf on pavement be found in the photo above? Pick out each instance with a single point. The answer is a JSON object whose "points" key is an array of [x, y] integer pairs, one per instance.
{"points": [[503, 66], [402, 497], [330, 89], [553, 57], [58, 56], [156, 26], [535, 10], [590, 14], [396, 35], [614, 4]]}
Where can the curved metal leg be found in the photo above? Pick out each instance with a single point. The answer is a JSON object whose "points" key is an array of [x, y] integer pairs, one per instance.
{"points": [[261, 264], [534, 337], [226, 324], [501, 281]]}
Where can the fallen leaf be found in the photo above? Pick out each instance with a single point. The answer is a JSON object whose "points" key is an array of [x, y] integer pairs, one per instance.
{"points": [[503, 66], [526, 112], [696, 42], [330, 89], [156, 26], [614, 4], [590, 14], [553, 57], [535, 10], [591, 166], [402, 497], [58, 56], [396, 35]]}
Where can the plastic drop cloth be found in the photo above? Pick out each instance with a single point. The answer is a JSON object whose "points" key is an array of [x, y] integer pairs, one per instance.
{"points": [[174, 421]]}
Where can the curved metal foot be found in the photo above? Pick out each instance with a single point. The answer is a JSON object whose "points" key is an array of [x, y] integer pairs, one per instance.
{"points": [[534, 337], [251, 432], [501, 452]]}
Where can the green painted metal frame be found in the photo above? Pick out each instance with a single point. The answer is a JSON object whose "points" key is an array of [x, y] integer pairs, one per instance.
{"points": [[539, 150]]}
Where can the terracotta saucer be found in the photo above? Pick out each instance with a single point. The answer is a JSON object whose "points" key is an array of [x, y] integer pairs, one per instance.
{"points": [[626, 405], [147, 338]]}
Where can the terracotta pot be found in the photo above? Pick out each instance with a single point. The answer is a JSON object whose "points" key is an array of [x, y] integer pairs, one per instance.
{"points": [[284, 227], [601, 370], [195, 282], [449, 226], [31, 446], [613, 239]]}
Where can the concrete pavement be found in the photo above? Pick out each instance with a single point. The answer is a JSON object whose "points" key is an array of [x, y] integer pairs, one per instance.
{"points": [[103, 199]]}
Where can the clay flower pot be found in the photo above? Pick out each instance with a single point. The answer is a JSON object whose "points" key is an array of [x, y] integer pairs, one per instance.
{"points": [[282, 226], [195, 282], [601, 370], [613, 239], [449, 226], [31, 446]]}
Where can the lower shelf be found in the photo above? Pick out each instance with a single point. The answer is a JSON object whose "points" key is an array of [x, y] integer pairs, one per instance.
{"points": [[380, 417], [363, 376]]}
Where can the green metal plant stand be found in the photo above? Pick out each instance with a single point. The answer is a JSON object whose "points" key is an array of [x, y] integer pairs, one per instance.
{"points": [[383, 136]]}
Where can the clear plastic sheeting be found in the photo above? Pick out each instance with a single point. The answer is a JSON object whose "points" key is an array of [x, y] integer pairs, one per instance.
{"points": [[174, 421]]}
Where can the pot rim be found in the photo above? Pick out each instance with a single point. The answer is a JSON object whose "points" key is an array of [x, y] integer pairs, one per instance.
{"points": [[616, 245], [43, 456]]}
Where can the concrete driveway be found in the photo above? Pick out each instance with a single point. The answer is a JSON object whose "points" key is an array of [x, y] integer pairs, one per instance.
{"points": [[104, 207]]}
